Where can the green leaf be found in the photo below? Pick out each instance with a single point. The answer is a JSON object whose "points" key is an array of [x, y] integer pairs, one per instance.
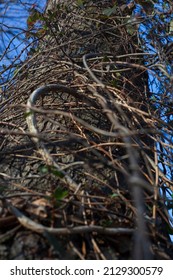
{"points": [[80, 4], [171, 27], [105, 58], [44, 169], [114, 195], [34, 16], [130, 29], [56, 172], [60, 193], [114, 83], [110, 11], [106, 223], [27, 114]]}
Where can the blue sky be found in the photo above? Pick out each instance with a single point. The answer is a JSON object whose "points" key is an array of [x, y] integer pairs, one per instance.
{"points": [[13, 17]]}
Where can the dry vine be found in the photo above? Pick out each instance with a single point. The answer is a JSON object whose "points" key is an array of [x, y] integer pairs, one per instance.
{"points": [[87, 168]]}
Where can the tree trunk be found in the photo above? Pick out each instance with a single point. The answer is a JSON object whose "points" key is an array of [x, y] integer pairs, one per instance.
{"points": [[89, 143]]}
